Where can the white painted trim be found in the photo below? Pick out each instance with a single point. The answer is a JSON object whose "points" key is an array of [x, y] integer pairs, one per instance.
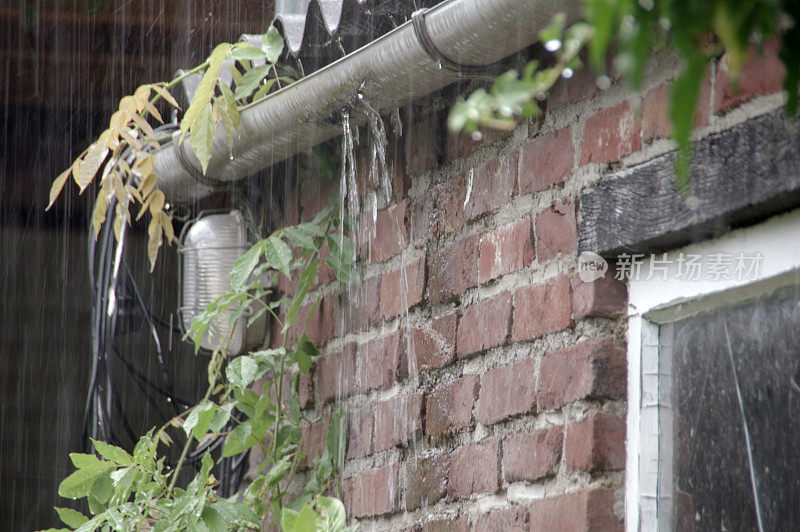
{"points": [[661, 300]]}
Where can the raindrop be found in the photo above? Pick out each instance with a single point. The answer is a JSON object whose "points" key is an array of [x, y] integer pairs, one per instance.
{"points": [[552, 45], [567, 73], [603, 83], [693, 202], [477, 136], [506, 111]]}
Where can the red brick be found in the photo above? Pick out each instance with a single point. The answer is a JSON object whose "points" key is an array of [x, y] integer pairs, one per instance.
{"points": [[372, 492], [556, 232], [312, 441], [454, 268], [421, 144], [492, 185], [359, 306], [582, 511], [336, 373], [382, 361], [531, 456], [387, 235], [426, 480], [579, 87], [594, 368], [433, 343], [541, 309], [474, 468], [513, 519], [609, 135], [305, 389], [761, 74], [546, 160], [403, 288], [314, 194], [596, 444], [449, 407], [455, 524], [507, 391], [396, 421], [440, 210], [606, 297], [359, 432], [320, 326], [655, 119], [463, 144], [484, 325], [506, 249]]}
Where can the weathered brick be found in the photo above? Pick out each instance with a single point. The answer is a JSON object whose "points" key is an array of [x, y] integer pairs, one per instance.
{"points": [[372, 492], [426, 479], [595, 444], [655, 120], [359, 432], [305, 389], [454, 268], [590, 509], [433, 343], [387, 235], [474, 468], [463, 144], [312, 441], [359, 306], [556, 232], [761, 74], [507, 391], [594, 368], [609, 135], [541, 309], [492, 185], [396, 421], [336, 373], [605, 297], [506, 249], [453, 524], [579, 87], [421, 144], [546, 160], [448, 408], [440, 210], [382, 361], [403, 288], [513, 519], [320, 326], [531, 456], [314, 194], [484, 325]]}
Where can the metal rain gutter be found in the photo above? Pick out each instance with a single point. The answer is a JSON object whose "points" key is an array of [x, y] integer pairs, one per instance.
{"points": [[389, 72]]}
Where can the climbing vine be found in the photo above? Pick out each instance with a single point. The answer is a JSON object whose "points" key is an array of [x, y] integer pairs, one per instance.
{"points": [[628, 32]]}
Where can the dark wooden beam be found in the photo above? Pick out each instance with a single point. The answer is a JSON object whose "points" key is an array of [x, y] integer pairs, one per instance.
{"points": [[739, 176]]}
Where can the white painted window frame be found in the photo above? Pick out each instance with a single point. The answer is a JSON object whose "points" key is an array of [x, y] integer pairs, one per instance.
{"points": [[657, 301]]}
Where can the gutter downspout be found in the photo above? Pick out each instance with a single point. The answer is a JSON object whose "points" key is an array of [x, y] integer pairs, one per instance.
{"points": [[389, 72]]}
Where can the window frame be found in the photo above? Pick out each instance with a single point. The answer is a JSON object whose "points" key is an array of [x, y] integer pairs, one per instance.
{"points": [[655, 302]]}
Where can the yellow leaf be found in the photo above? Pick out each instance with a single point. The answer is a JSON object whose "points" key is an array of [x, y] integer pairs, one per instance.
{"points": [[157, 201], [142, 93], [58, 186], [145, 204], [164, 93], [119, 188], [118, 220], [145, 126], [153, 111], [90, 165], [127, 104], [166, 223], [205, 89], [153, 244], [99, 213], [118, 120], [129, 136], [147, 184], [133, 192]]}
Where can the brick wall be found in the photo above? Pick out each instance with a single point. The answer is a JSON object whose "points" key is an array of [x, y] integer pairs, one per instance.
{"points": [[484, 383]]}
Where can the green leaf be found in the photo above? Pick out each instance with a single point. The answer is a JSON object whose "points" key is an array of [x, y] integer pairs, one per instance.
{"points": [[103, 488], [245, 264], [279, 254], [89, 462], [198, 420], [273, 44], [205, 89], [299, 237], [203, 135], [554, 30], [336, 441], [303, 285], [247, 52], [241, 371], [305, 351], [113, 453], [78, 484], [306, 520], [237, 440], [233, 109], [250, 80], [213, 520], [332, 513], [70, 517], [288, 519], [221, 417]]}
